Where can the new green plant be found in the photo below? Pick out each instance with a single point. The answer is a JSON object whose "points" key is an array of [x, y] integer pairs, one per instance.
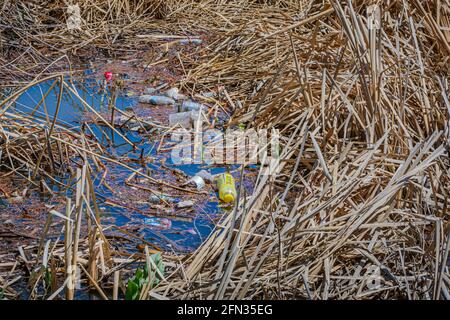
{"points": [[135, 284], [142, 276], [47, 278]]}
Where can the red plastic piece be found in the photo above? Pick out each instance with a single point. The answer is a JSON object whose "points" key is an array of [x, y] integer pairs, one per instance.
{"points": [[108, 75]]}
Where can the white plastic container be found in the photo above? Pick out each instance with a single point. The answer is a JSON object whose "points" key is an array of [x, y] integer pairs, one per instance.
{"points": [[185, 204], [205, 175], [184, 119], [175, 94], [198, 181]]}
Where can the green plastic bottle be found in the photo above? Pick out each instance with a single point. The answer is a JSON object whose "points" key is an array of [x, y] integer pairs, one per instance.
{"points": [[227, 188]]}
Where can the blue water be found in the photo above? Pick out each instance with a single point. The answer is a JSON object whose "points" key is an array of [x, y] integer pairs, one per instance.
{"points": [[186, 233]]}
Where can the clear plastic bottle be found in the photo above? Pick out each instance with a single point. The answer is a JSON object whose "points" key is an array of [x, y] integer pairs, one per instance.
{"points": [[156, 100]]}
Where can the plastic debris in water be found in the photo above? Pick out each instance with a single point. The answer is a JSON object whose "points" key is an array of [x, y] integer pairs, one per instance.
{"points": [[150, 90], [193, 41], [188, 105], [191, 231], [205, 175], [158, 223], [154, 90], [184, 119], [160, 198], [174, 93], [227, 189], [185, 204], [208, 94], [156, 100], [198, 181], [108, 75]]}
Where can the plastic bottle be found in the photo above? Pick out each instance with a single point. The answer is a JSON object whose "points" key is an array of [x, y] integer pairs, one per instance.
{"points": [[227, 188], [188, 105], [158, 223], [198, 181], [161, 100], [185, 204], [205, 175], [160, 198], [174, 93], [184, 119], [151, 91]]}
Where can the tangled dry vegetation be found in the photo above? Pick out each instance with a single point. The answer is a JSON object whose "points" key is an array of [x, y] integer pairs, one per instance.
{"points": [[359, 208]]}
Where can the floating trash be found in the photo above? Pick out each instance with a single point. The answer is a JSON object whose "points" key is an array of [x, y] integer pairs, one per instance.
{"points": [[156, 100], [160, 198], [191, 231], [205, 175], [158, 223], [208, 94], [189, 105], [198, 181], [185, 204], [108, 75], [227, 188], [184, 119], [174, 93], [150, 90], [136, 128]]}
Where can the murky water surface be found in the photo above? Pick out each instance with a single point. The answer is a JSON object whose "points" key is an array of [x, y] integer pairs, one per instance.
{"points": [[129, 208]]}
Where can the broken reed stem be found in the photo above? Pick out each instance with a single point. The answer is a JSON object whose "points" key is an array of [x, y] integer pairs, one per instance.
{"points": [[68, 250], [116, 285]]}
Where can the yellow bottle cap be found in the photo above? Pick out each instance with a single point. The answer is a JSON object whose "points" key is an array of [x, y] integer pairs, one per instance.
{"points": [[228, 198]]}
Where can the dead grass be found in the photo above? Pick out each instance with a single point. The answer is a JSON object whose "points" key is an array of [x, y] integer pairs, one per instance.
{"points": [[359, 208]]}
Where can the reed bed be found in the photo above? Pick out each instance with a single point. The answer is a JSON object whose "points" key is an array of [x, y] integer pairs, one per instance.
{"points": [[358, 208], [362, 194]]}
